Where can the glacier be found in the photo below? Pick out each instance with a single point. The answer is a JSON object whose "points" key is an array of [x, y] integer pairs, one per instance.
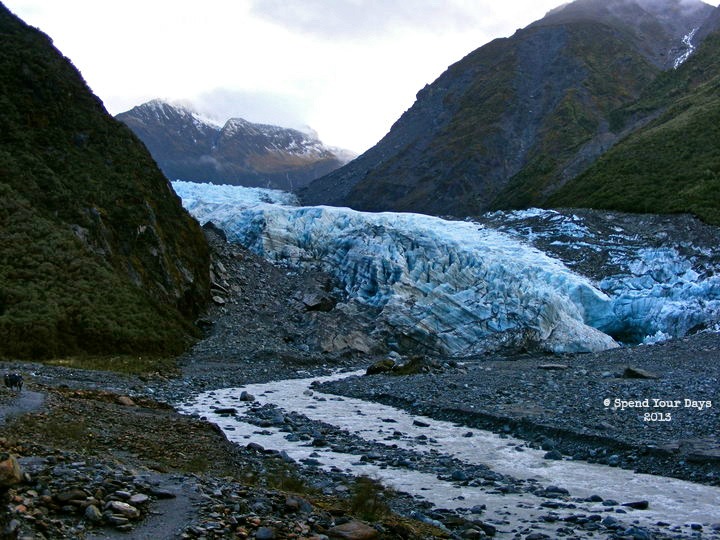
{"points": [[464, 288]]}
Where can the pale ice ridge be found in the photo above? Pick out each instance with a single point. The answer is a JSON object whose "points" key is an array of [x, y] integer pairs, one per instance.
{"points": [[194, 195], [674, 501]]}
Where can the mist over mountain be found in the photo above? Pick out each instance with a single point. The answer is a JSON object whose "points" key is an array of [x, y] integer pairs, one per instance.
{"points": [[187, 146], [521, 117], [97, 256]]}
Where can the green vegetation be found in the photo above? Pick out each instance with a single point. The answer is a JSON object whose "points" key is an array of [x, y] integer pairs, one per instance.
{"points": [[126, 363], [672, 164], [613, 75], [96, 254], [368, 499]]}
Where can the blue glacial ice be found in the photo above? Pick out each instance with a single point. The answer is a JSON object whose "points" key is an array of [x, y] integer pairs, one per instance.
{"points": [[463, 288]]}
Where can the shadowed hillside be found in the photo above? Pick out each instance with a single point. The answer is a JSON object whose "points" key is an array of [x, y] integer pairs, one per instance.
{"points": [[96, 253]]}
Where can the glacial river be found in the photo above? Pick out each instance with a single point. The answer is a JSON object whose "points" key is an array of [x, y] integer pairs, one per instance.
{"points": [[674, 502]]}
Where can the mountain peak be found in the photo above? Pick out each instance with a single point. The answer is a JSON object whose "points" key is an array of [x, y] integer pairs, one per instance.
{"points": [[190, 146], [518, 118]]}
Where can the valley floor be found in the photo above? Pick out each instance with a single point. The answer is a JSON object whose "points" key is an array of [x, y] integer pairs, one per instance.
{"points": [[73, 429]]}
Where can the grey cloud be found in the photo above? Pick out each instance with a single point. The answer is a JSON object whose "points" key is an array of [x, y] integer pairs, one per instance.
{"points": [[280, 109], [366, 18]]}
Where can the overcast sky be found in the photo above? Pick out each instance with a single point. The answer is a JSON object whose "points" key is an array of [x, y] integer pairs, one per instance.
{"points": [[346, 68]]}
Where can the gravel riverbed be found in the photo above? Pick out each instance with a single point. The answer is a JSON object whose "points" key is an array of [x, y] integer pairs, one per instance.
{"points": [[75, 429]]}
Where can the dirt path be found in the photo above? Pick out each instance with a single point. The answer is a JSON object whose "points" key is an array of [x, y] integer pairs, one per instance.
{"points": [[168, 517]]}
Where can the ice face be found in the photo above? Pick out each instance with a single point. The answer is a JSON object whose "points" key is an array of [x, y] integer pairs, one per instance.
{"points": [[462, 288], [661, 286], [452, 286]]}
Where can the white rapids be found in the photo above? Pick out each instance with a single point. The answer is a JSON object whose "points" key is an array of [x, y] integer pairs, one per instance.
{"points": [[672, 501]]}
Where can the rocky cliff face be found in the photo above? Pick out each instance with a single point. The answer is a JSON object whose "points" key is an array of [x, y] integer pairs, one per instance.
{"points": [[188, 147], [96, 255], [518, 118]]}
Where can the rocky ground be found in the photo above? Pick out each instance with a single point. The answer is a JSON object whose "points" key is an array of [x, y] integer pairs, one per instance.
{"points": [[103, 454], [653, 409]]}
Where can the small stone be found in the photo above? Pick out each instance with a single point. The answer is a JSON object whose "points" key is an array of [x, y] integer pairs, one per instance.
{"points": [[93, 514], [265, 533], [10, 471], [245, 396], [553, 367], [161, 493], [420, 423], [124, 509], [219, 300], [112, 519], [71, 495], [138, 499], [553, 454]]}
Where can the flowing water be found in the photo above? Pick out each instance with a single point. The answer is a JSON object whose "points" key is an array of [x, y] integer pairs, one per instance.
{"points": [[672, 501]]}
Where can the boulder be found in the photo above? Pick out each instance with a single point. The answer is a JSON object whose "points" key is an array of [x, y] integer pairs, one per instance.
{"points": [[417, 364], [381, 366], [10, 471], [126, 401], [246, 396], [353, 530], [637, 505], [318, 302], [637, 373]]}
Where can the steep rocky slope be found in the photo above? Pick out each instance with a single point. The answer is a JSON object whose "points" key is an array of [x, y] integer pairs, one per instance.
{"points": [[96, 253], [519, 117], [188, 147]]}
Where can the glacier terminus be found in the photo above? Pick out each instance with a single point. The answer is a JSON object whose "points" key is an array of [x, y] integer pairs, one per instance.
{"points": [[536, 280]]}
